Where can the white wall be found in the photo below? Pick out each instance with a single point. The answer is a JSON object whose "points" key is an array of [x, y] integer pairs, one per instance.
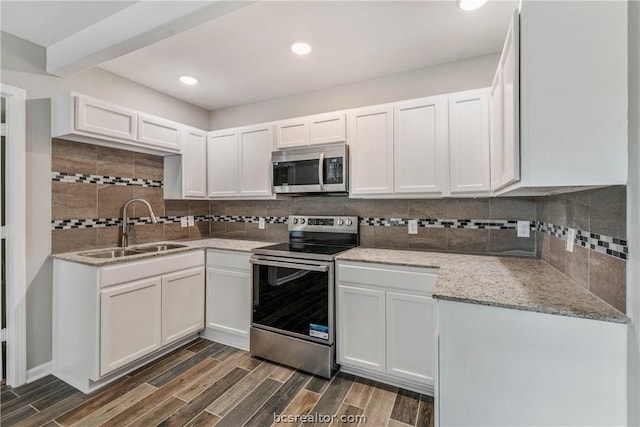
{"points": [[633, 213], [455, 76], [23, 65]]}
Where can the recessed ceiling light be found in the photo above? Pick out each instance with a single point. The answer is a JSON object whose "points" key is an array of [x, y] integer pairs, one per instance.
{"points": [[189, 80], [470, 4], [300, 48]]}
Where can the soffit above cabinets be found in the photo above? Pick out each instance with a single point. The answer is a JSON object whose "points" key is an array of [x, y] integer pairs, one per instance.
{"points": [[239, 50]]}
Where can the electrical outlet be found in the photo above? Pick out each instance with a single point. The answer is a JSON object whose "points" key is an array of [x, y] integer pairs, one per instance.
{"points": [[191, 221], [524, 229], [183, 221], [261, 223], [571, 236], [413, 226]]}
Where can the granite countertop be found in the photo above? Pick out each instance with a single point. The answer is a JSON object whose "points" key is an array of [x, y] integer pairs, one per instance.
{"points": [[190, 245], [518, 283]]}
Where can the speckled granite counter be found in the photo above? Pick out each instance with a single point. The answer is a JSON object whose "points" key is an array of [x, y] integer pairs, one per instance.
{"points": [[191, 245], [518, 283]]}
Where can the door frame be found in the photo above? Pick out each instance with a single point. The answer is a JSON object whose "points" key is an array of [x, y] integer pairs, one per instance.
{"points": [[15, 196]]}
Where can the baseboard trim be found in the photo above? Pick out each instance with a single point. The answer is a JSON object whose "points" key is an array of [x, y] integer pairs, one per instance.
{"points": [[386, 379], [39, 371]]}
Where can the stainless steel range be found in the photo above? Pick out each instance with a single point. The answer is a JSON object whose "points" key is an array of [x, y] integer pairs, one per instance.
{"points": [[293, 320]]}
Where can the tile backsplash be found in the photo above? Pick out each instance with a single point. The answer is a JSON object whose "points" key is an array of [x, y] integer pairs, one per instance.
{"points": [[600, 213], [90, 184]]}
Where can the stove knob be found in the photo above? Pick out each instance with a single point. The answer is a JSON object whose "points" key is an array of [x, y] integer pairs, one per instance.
{"points": [[348, 223], [302, 220], [340, 222], [295, 220]]}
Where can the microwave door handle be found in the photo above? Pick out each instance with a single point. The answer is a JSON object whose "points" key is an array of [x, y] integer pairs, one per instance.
{"points": [[321, 171], [322, 268]]}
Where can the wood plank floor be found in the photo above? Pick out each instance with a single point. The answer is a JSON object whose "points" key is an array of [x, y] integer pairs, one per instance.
{"points": [[206, 384]]}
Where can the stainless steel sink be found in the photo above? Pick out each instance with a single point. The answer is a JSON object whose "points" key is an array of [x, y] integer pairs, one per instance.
{"points": [[115, 253], [159, 247]]}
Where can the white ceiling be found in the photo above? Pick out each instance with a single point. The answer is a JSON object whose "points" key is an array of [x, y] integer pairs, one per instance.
{"points": [[243, 56], [47, 22]]}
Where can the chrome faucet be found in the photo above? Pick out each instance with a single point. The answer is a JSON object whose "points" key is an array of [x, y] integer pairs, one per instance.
{"points": [[124, 242]]}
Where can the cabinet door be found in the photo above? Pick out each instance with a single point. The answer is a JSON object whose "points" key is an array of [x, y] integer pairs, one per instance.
{"points": [[328, 128], [194, 163], [158, 132], [222, 164], [361, 327], [292, 133], [420, 145], [103, 118], [130, 323], [182, 304], [469, 143], [410, 336], [255, 160], [495, 130], [510, 75], [371, 145], [229, 301]]}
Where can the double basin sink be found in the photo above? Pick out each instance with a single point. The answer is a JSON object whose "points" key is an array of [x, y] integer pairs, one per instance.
{"points": [[124, 252]]}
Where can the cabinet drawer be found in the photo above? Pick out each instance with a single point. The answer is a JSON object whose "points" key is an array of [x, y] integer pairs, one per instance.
{"points": [[227, 259], [159, 265], [419, 280]]}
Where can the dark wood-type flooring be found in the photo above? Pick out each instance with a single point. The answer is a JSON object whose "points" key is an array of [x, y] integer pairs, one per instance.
{"points": [[205, 384]]}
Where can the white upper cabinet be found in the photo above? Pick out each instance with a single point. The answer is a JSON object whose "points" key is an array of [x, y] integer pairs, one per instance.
{"points": [[319, 129], [371, 149], [420, 146], [505, 112], [255, 160], [159, 133], [327, 128], [185, 176], [573, 96], [104, 118], [222, 164], [469, 156], [239, 162], [293, 133], [194, 154], [84, 119]]}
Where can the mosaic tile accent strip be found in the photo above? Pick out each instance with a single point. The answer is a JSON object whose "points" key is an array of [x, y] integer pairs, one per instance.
{"points": [[104, 179], [477, 224], [249, 219], [607, 245], [68, 224], [612, 246]]}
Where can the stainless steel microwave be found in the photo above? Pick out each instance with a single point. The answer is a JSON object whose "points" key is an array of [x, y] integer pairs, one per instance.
{"points": [[317, 169]]}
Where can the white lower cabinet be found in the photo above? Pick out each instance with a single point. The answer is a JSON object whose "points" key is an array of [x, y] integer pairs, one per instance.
{"points": [[386, 323], [110, 320], [410, 330], [182, 304], [228, 298], [129, 323], [361, 327]]}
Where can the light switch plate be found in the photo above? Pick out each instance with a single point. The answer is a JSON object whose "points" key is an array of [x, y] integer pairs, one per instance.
{"points": [[571, 236], [191, 221], [183, 221], [524, 229], [261, 223], [413, 226]]}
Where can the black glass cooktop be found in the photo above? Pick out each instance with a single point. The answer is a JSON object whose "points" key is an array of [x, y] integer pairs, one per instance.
{"points": [[303, 250]]}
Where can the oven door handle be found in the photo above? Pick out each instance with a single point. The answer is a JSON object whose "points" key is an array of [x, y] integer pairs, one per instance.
{"points": [[322, 268]]}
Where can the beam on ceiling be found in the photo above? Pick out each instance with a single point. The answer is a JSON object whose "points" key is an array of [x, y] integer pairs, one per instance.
{"points": [[141, 24]]}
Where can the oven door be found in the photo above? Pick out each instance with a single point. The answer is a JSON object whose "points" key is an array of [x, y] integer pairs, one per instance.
{"points": [[294, 297]]}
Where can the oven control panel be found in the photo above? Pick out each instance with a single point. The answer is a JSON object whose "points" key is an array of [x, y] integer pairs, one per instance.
{"points": [[329, 224]]}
